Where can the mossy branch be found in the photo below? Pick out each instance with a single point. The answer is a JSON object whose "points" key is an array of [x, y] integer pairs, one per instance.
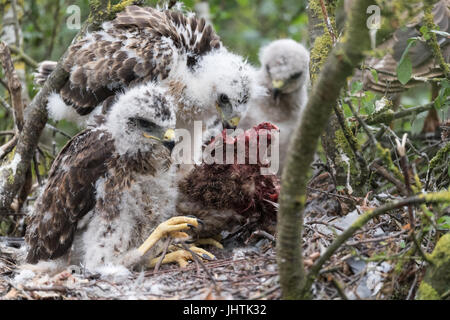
{"points": [[340, 64], [432, 42], [387, 116], [440, 156], [436, 284]]}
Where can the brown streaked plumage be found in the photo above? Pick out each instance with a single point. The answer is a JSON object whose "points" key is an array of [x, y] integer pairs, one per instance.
{"points": [[132, 51]]}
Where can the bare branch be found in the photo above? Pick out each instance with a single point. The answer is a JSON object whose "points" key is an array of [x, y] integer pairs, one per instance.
{"points": [[14, 84]]}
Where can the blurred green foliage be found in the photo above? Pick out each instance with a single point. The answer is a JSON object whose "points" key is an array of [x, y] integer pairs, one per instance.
{"points": [[243, 25]]}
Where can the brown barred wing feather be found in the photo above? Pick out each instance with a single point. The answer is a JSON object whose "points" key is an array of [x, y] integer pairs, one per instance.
{"points": [[68, 195]]}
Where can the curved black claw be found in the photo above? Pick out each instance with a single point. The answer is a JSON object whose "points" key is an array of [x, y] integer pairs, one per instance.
{"points": [[190, 240], [206, 257], [198, 220]]}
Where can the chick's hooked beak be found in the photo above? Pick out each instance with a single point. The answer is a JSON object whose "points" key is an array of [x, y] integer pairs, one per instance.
{"points": [[277, 85], [168, 140], [228, 121]]}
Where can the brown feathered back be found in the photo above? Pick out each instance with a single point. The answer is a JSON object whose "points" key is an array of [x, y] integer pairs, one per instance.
{"points": [[138, 45]]}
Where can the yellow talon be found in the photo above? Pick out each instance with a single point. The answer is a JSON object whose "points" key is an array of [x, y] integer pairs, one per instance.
{"points": [[182, 256], [171, 226], [209, 241]]}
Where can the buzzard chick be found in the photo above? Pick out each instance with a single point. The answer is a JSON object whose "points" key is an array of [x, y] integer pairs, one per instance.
{"points": [[234, 196], [284, 73], [110, 187], [208, 82]]}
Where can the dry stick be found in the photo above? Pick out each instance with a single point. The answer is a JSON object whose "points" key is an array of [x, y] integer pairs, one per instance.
{"points": [[8, 147], [377, 137], [328, 21], [7, 133], [389, 177], [61, 132], [404, 165], [5, 104], [166, 246], [377, 239], [437, 197], [23, 56], [16, 23], [14, 85]]}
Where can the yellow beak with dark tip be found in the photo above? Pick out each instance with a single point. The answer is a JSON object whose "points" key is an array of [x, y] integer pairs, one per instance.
{"points": [[277, 84], [169, 135], [234, 121], [168, 139], [228, 123]]}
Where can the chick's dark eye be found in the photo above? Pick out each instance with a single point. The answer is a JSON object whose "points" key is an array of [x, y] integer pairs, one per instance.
{"points": [[223, 99], [142, 123], [296, 75]]}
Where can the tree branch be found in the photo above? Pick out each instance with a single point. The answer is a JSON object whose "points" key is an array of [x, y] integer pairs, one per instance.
{"points": [[339, 65], [14, 85]]}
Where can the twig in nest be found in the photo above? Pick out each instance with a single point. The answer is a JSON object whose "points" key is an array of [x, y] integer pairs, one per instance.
{"points": [[404, 165], [166, 246], [389, 177], [260, 233]]}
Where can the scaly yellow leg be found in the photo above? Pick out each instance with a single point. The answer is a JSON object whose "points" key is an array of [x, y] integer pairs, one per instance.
{"points": [[182, 256], [167, 228]]}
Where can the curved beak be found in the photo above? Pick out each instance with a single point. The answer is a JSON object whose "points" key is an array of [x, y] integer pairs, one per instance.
{"points": [[231, 123], [228, 117], [277, 85], [169, 139]]}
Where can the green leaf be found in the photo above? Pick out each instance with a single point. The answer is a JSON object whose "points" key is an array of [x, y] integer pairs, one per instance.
{"points": [[404, 67], [425, 32], [404, 70], [356, 87], [444, 222], [374, 75]]}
